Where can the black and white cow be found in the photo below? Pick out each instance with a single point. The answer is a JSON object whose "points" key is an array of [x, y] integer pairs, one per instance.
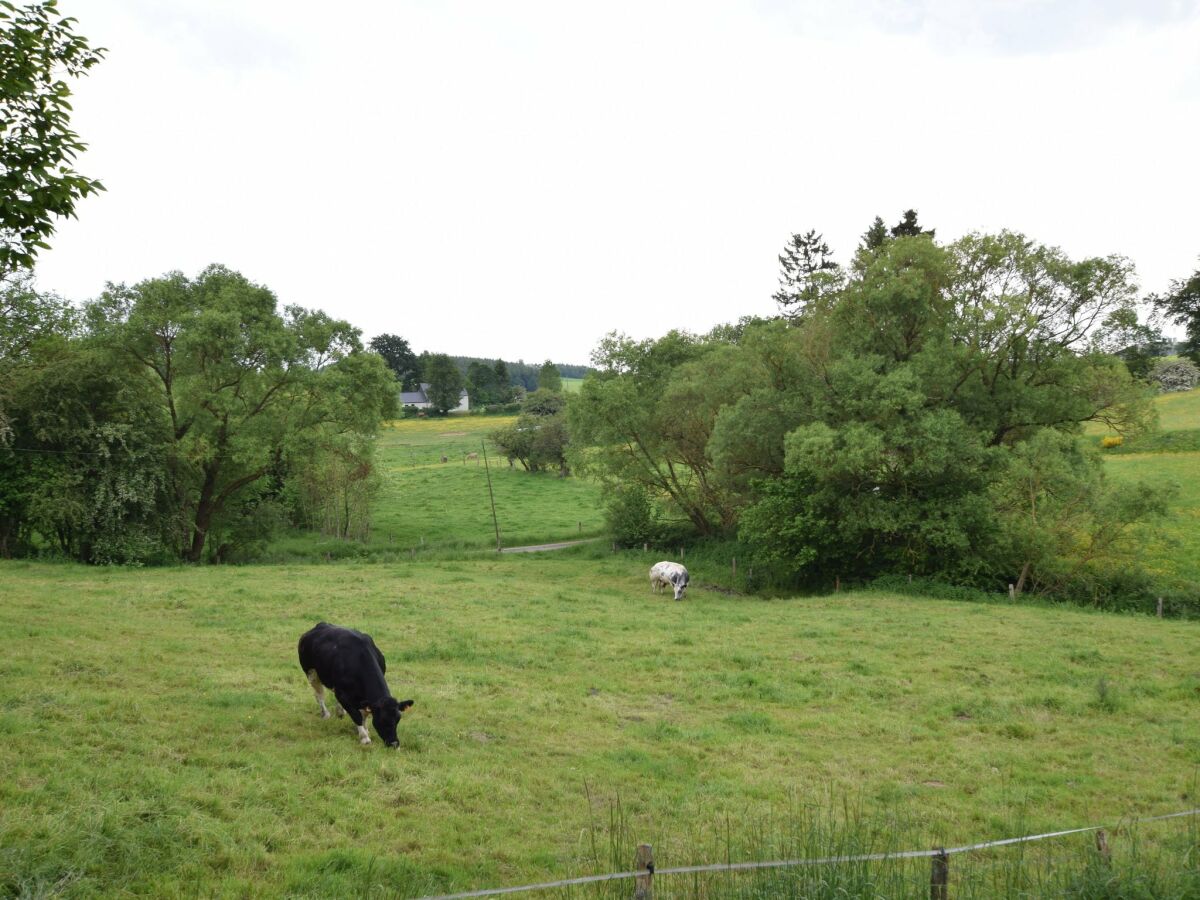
{"points": [[348, 663], [666, 573]]}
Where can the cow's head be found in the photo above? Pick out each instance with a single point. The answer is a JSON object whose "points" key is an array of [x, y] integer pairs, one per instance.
{"points": [[679, 580], [386, 716]]}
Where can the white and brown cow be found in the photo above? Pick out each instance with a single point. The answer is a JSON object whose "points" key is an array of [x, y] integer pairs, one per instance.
{"points": [[666, 573]]}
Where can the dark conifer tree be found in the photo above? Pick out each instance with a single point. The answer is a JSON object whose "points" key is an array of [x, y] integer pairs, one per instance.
{"points": [[909, 227], [806, 273]]}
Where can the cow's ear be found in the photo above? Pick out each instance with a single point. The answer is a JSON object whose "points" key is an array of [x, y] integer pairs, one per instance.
{"points": [[405, 704]]}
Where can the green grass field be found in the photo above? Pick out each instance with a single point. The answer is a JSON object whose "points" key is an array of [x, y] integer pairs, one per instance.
{"points": [[429, 505], [1172, 549], [159, 737], [572, 385]]}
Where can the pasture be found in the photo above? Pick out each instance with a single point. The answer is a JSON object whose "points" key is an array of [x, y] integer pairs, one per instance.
{"points": [[425, 504], [1172, 548], [159, 737]]}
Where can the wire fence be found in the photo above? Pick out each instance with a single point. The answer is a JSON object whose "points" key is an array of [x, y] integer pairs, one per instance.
{"points": [[650, 872]]}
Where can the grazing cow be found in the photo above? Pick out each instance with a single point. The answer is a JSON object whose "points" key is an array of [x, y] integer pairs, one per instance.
{"points": [[348, 663], [669, 573], [472, 456]]}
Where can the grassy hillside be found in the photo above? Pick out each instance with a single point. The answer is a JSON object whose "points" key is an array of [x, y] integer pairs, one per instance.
{"points": [[159, 737], [427, 504], [1172, 550]]}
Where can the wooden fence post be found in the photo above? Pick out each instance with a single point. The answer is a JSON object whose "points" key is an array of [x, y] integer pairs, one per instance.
{"points": [[1102, 847], [735, 568], [837, 583], [1160, 607], [645, 547], [939, 875], [644, 883], [1012, 592]]}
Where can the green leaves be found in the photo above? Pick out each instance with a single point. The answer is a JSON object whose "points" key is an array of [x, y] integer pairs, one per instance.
{"points": [[37, 146]]}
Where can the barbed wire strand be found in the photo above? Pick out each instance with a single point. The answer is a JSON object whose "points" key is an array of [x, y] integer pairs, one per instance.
{"points": [[783, 863]]}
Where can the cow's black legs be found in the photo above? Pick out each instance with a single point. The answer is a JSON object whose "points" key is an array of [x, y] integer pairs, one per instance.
{"points": [[356, 717], [319, 690]]}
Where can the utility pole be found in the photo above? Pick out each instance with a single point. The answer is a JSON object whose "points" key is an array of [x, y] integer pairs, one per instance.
{"points": [[491, 496]]}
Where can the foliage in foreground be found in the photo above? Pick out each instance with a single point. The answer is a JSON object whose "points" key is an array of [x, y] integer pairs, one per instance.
{"points": [[916, 414], [175, 419], [39, 49]]}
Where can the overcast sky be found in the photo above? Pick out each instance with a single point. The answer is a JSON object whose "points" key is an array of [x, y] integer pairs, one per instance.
{"points": [[517, 179]]}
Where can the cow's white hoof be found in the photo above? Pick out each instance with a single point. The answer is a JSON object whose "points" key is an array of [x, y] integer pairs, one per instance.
{"points": [[364, 741], [324, 714]]}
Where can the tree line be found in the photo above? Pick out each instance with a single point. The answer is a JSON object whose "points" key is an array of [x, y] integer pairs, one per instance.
{"points": [[917, 411], [490, 383], [180, 418]]}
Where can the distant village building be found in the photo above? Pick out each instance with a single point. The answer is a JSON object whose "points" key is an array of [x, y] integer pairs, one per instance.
{"points": [[421, 401]]}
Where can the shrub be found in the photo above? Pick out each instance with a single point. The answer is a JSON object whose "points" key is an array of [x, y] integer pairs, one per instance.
{"points": [[630, 516], [1112, 441], [1180, 375]]}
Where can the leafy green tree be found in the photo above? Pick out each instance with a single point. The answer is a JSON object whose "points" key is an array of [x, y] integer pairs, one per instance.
{"points": [[807, 274], [38, 50], [645, 419], [400, 359], [540, 438], [548, 377], [482, 386], [1060, 518], [445, 383], [1182, 305], [238, 384]]}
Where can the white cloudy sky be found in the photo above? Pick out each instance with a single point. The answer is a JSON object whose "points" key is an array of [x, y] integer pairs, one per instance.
{"points": [[516, 179]]}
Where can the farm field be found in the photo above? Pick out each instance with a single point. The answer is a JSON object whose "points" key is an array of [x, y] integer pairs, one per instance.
{"points": [[1172, 549], [159, 737], [425, 504], [572, 385]]}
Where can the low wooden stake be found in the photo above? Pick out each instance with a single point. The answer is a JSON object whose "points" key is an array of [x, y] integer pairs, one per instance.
{"points": [[645, 547], [643, 888], [735, 568], [1102, 847], [939, 875], [1012, 592], [837, 583], [1160, 607]]}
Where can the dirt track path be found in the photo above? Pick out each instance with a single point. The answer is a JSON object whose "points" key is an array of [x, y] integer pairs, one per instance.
{"points": [[535, 548]]}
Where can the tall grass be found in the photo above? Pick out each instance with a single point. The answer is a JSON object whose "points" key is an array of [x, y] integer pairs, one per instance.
{"points": [[1147, 860]]}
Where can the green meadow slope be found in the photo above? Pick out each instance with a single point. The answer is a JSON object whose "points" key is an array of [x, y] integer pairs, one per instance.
{"points": [[1172, 453], [425, 504], [159, 737]]}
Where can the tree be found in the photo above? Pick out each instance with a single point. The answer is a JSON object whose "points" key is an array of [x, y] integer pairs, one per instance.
{"points": [[645, 419], [37, 145], [540, 437], [400, 359], [445, 383], [807, 274], [238, 386], [481, 384], [874, 236], [548, 377], [1182, 305], [908, 227]]}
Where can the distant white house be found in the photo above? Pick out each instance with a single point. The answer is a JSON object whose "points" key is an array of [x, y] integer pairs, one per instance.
{"points": [[419, 399]]}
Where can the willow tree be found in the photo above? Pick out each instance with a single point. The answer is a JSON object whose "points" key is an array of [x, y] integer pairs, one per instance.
{"points": [[238, 382]]}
